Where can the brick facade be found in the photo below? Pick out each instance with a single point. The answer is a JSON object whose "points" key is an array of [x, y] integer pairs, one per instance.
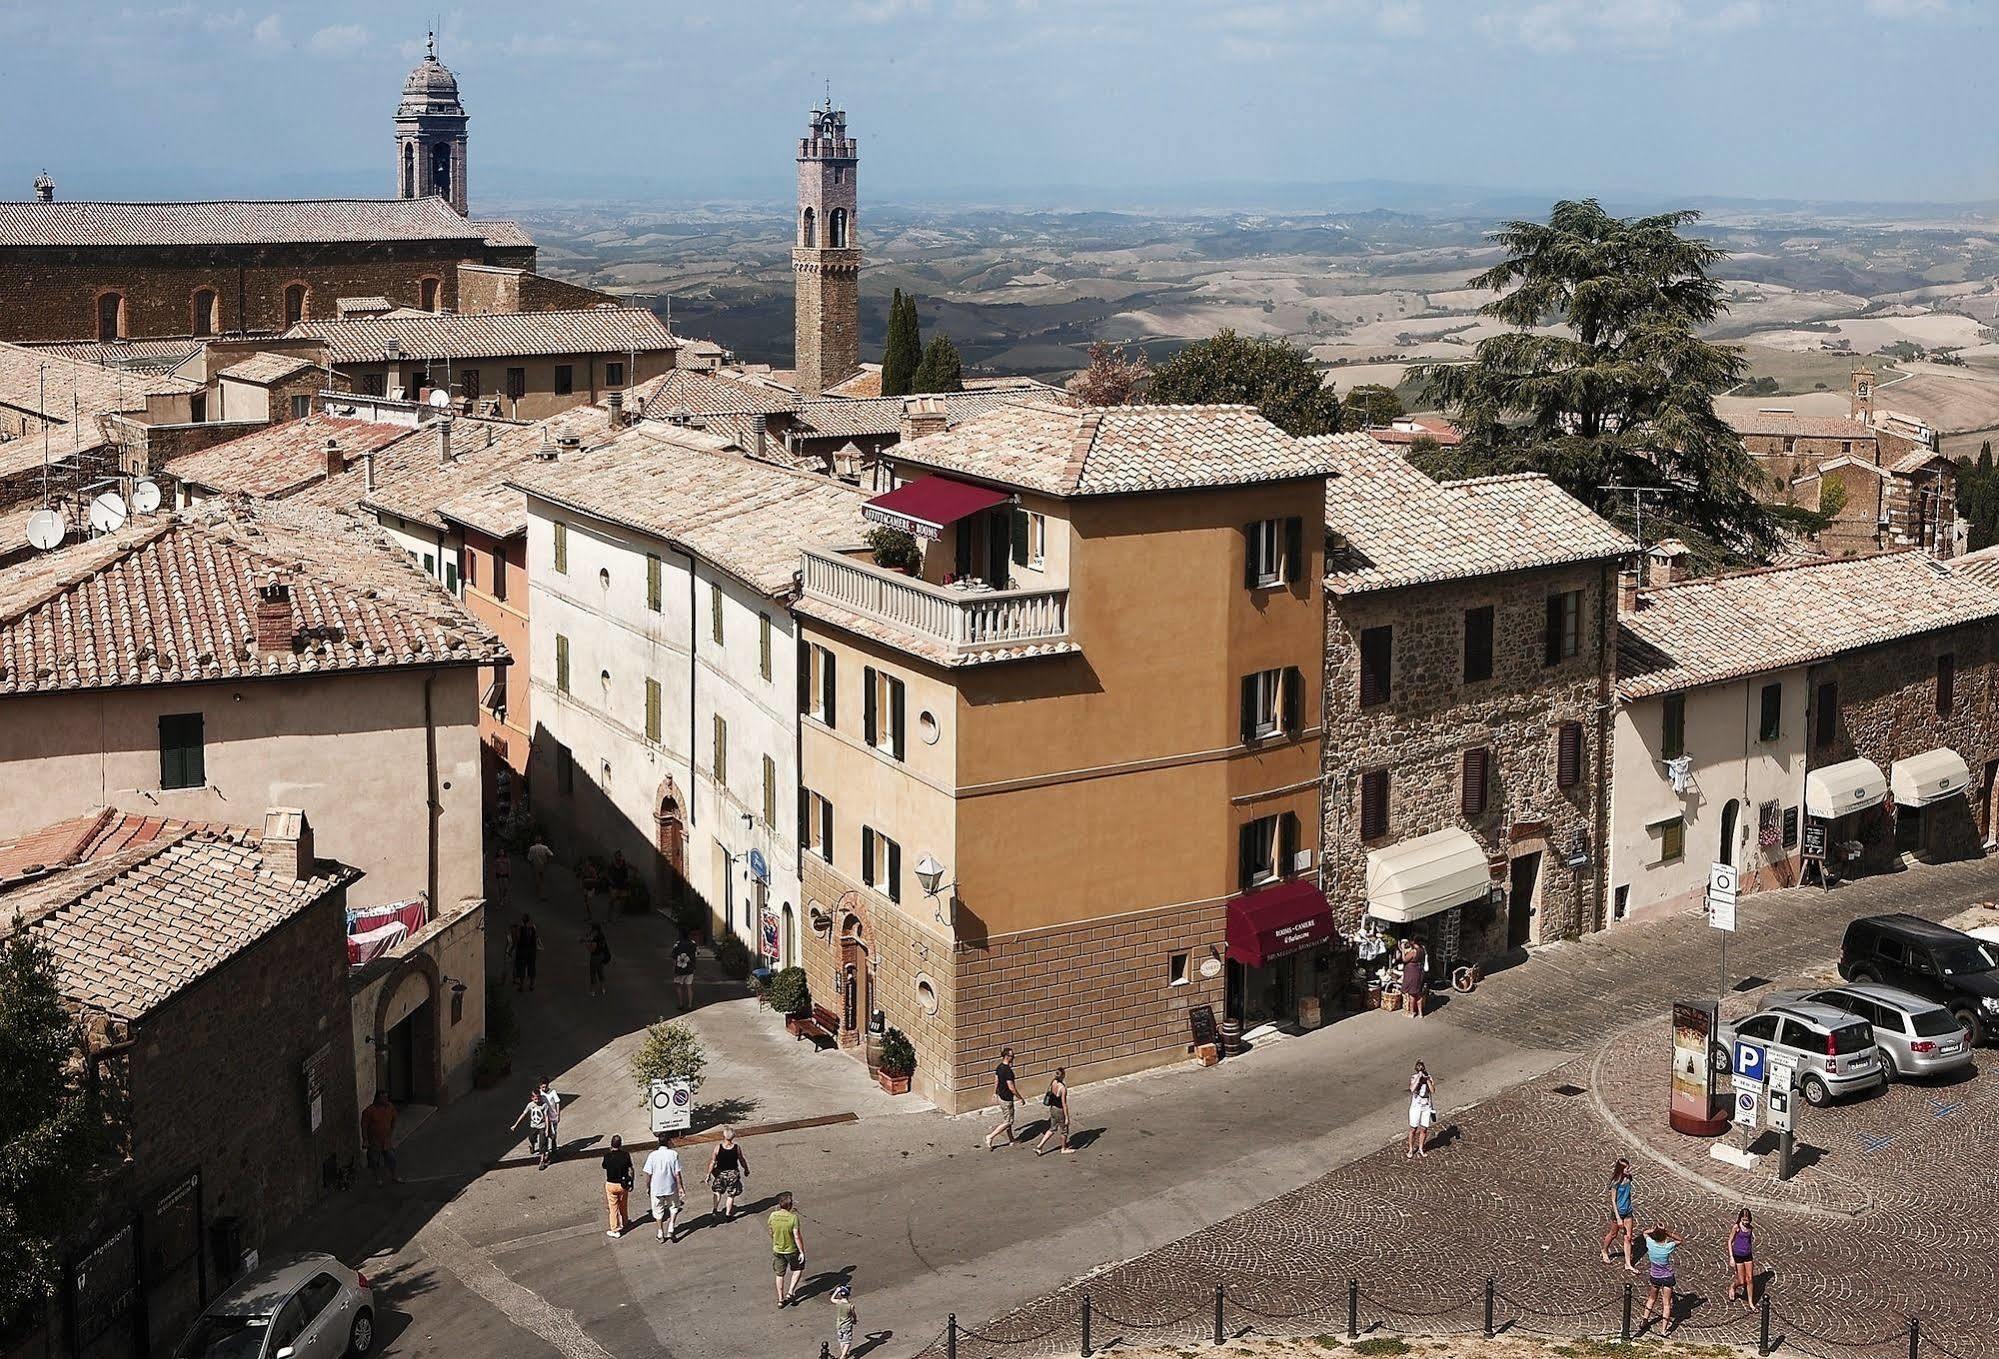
{"points": [[1433, 716]]}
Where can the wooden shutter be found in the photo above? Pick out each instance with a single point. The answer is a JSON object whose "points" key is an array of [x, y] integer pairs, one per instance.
{"points": [[894, 871], [895, 724], [1568, 754], [561, 663], [1294, 550], [1248, 709], [652, 710], [828, 690], [804, 819], [826, 828], [1552, 644], [869, 716], [763, 645], [1019, 533], [1293, 718], [1374, 804], [1287, 842], [652, 582], [1471, 789], [867, 856], [805, 679], [1377, 664], [1249, 535], [1245, 854], [562, 547], [721, 751], [1770, 719], [770, 791], [1946, 682], [715, 610]]}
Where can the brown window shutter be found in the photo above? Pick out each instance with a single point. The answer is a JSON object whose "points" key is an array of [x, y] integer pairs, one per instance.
{"points": [[1471, 798], [1248, 709], [1249, 532], [830, 688], [1294, 550], [869, 717], [804, 817], [805, 679], [1294, 700], [867, 856], [1244, 854], [1374, 804], [1287, 842], [895, 725], [1568, 754], [1377, 665]]}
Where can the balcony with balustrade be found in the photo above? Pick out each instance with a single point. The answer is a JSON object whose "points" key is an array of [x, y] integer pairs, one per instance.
{"points": [[954, 624]]}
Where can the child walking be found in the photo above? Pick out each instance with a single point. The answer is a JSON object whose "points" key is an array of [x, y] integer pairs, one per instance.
{"points": [[845, 1317]]}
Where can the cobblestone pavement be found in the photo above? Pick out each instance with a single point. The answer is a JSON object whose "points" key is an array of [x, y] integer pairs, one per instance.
{"points": [[1516, 1193]]}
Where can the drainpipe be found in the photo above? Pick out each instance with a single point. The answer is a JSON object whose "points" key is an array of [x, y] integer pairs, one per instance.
{"points": [[1605, 717], [434, 807]]}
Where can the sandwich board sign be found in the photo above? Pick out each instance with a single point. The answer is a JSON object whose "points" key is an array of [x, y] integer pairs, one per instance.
{"points": [[671, 1104]]}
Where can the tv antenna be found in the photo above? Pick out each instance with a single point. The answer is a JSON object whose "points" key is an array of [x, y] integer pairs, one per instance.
{"points": [[1638, 494]]}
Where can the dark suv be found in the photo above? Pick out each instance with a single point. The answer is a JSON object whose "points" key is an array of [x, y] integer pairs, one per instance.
{"points": [[1955, 970]]}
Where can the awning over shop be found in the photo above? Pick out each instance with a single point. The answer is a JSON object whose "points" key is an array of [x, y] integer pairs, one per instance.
{"points": [[1839, 789], [1281, 919], [1929, 777], [1423, 876], [924, 506]]}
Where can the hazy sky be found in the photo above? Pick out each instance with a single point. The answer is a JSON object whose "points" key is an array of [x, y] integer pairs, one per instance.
{"points": [[1024, 99]]}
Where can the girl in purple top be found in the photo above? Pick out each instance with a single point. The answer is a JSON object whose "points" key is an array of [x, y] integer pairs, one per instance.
{"points": [[1742, 1254]]}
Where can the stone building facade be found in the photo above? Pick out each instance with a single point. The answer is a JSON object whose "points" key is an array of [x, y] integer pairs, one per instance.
{"points": [[826, 260]]}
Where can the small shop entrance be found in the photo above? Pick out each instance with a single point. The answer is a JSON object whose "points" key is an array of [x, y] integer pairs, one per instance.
{"points": [[1526, 879]]}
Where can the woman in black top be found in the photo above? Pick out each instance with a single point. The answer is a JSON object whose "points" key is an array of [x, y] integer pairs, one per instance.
{"points": [[727, 1169]]}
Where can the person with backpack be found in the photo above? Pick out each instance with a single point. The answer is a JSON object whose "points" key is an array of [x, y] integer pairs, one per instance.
{"points": [[1057, 1103]]}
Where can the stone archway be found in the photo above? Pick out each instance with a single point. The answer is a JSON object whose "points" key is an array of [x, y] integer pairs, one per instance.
{"points": [[405, 1034], [855, 978], [670, 839]]}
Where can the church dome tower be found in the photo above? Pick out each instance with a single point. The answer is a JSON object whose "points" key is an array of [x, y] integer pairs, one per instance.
{"points": [[430, 133]]}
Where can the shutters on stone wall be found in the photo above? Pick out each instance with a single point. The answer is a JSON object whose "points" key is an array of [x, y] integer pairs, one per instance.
{"points": [[1568, 754], [1472, 788], [1373, 804]]}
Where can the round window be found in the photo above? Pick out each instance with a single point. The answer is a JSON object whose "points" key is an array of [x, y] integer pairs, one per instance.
{"points": [[926, 727], [926, 993]]}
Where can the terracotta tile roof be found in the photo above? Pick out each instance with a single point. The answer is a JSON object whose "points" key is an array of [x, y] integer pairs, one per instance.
{"points": [[280, 459], [81, 839], [64, 441], [747, 518], [503, 233], [1799, 426], [1914, 460], [1981, 566], [875, 417], [867, 382], [361, 306], [595, 330], [1718, 628], [698, 392], [134, 929], [156, 356], [1401, 528], [1408, 429], [43, 381], [266, 368], [173, 600], [262, 222]]}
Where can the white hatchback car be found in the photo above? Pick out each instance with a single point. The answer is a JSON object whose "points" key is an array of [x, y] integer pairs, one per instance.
{"points": [[301, 1307]]}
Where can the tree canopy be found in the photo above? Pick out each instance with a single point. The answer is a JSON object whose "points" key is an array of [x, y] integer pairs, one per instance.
{"points": [[1605, 380], [903, 349], [1370, 403], [1275, 376], [941, 369], [1114, 378]]}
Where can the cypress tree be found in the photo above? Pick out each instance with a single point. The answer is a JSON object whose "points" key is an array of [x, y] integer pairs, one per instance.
{"points": [[941, 369], [904, 348]]}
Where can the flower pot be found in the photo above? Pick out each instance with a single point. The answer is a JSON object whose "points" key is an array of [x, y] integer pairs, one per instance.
{"points": [[895, 1085]]}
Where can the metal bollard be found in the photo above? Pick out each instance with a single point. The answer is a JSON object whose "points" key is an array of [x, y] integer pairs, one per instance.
{"points": [[825, 1349], [1086, 1326], [951, 1336], [1763, 1323], [1491, 1287], [1353, 1309], [1627, 1315], [1915, 1338], [1218, 1314]]}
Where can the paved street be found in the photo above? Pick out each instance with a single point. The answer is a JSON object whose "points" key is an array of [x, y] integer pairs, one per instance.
{"points": [[902, 1204]]}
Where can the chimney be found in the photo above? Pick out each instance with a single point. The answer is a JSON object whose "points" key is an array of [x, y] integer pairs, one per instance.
{"points": [[1627, 590], [274, 617], [368, 468], [1665, 562], [335, 464], [760, 424], [923, 415], [45, 188], [444, 441], [287, 844], [616, 402]]}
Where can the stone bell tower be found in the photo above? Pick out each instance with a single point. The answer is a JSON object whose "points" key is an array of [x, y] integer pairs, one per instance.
{"points": [[430, 133], [1861, 405], [826, 255]]}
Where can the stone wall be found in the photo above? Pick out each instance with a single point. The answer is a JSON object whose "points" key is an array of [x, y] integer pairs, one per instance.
{"points": [[1433, 717], [827, 318]]}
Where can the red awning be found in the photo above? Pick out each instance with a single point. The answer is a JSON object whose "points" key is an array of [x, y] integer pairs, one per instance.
{"points": [[924, 506], [1281, 919]]}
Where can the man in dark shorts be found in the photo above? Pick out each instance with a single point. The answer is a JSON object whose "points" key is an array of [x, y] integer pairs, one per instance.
{"points": [[1009, 1095], [787, 1249], [523, 943]]}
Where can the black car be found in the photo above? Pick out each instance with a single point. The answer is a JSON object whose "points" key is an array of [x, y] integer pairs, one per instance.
{"points": [[1955, 970]]}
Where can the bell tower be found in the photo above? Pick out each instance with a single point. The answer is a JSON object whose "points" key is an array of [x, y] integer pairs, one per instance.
{"points": [[1861, 405], [826, 255], [430, 133]]}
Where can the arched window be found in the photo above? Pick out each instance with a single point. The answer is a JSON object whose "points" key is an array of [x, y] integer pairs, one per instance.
{"points": [[440, 169], [409, 169], [206, 319], [836, 229], [808, 230], [294, 303], [110, 316], [427, 290]]}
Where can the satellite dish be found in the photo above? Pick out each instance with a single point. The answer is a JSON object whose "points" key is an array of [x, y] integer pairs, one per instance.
{"points": [[440, 398], [107, 512], [45, 530], [146, 496]]}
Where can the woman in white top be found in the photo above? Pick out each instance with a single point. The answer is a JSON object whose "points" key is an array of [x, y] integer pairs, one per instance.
{"points": [[1422, 1111]]}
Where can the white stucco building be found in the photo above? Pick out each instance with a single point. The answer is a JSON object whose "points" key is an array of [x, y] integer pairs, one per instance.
{"points": [[664, 667]]}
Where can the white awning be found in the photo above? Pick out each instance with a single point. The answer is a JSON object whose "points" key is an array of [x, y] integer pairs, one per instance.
{"points": [[1841, 788], [1425, 875], [1929, 777]]}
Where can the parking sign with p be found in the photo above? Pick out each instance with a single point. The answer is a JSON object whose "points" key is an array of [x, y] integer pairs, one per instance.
{"points": [[1749, 1063]]}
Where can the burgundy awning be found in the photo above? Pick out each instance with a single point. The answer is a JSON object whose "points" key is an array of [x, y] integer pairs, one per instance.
{"points": [[924, 506], [1281, 919]]}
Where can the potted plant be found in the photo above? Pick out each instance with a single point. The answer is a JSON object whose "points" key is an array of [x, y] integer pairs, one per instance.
{"points": [[670, 1050], [788, 994], [895, 550], [895, 1063], [732, 955]]}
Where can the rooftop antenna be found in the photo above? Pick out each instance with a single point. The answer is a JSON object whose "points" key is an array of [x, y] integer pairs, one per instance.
{"points": [[1638, 494]]}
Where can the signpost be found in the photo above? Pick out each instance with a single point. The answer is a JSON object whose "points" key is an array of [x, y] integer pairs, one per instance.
{"points": [[1782, 1078], [671, 1104], [1746, 1102], [1722, 881]]}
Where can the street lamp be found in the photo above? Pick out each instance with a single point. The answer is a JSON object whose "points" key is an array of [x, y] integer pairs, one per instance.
{"points": [[930, 876]]}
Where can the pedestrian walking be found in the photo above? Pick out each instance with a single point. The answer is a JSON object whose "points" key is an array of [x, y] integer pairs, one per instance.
{"points": [[539, 855], [664, 1184], [617, 1187], [523, 942], [1415, 976], [1057, 1103], [787, 1248], [378, 1137], [503, 869], [552, 1138], [536, 1116], [1742, 1255], [1659, 1247], [727, 1169], [1009, 1096], [618, 881], [599, 949], [683, 971], [845, 1317], [1422, 1111], [1623, 1227]]}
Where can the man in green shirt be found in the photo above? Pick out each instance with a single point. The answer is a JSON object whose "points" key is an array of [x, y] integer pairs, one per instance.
{"points": [[787, 1249]]}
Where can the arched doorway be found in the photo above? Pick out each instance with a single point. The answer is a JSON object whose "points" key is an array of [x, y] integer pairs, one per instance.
{"points": [[670, 839], [1730, 814], [787, 938], [856, 979], [405, 1034]]}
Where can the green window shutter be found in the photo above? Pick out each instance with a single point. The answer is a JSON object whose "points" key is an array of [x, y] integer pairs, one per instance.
{"points": [[770, 791], [652, 582], [562, 548], [763, 644], [715, 611], [652, 710], [561, 663], [721, 752]]}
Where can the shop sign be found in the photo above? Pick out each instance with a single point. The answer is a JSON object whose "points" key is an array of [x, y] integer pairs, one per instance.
{"points": [[767, 935], [1300, 934], [1693, 1074], [1815, 840]]}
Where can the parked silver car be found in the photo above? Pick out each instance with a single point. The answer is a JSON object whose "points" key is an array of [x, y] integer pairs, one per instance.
{"points": [[1917, 1036], [1835, 1051], [300, 1307]]}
